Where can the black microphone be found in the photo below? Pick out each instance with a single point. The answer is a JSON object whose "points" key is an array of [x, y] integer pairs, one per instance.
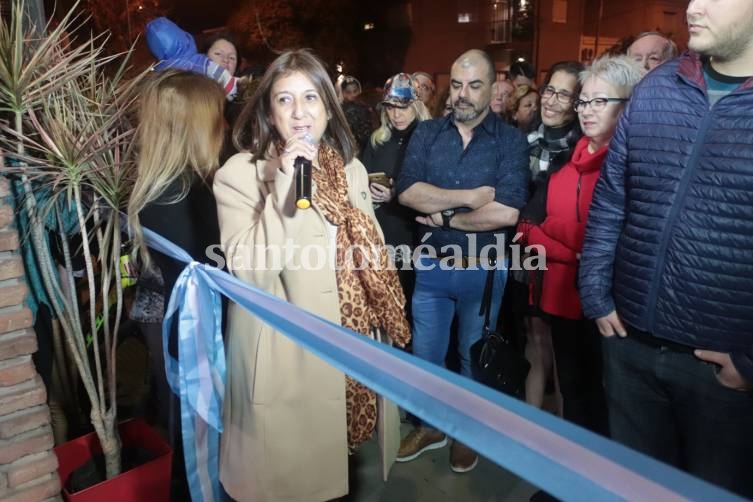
{"points": [[302, 167]]}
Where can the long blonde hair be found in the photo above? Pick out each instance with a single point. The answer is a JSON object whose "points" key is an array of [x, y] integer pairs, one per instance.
{"points": [[384, 132], [180, 135]]}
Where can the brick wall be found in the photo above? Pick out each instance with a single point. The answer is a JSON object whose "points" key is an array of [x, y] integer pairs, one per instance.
{"points": [[28, 466]]}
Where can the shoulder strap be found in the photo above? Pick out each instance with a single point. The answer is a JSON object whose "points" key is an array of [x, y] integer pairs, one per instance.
{"points": [[486, 299]]}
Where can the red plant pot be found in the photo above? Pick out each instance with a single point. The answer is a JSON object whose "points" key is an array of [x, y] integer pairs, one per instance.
{"points": [[149, 481]]}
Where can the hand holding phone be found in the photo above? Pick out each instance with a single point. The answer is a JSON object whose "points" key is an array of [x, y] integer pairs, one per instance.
{"points": [[380, 178]]}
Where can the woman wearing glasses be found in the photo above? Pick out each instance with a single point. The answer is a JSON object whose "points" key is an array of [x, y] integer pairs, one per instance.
{"points": [[606, 87], [553, 141], [555, 133]]}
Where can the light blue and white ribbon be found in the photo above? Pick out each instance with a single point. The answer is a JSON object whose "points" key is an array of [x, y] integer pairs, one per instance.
{"points": [[198, 375], [561, 458]]}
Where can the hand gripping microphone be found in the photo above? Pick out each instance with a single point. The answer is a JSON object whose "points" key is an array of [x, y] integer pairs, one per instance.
{"points": [[303, 179], [302, 183]]}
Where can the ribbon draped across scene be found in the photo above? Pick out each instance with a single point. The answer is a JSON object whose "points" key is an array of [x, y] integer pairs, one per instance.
{"points": [[567, 461]]}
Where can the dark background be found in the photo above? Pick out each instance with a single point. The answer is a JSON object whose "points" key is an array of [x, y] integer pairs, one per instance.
{"points": [[333, 29]]}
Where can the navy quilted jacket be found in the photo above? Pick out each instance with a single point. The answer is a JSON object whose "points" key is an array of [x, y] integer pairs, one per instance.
{"points": [[669, 241]]}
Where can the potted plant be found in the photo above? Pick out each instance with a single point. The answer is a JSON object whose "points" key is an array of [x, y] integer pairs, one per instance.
{"points": [[69, 144]]}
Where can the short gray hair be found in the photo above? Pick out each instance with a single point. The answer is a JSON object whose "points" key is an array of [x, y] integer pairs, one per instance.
{"points": [[620, 71], [670, 47]]}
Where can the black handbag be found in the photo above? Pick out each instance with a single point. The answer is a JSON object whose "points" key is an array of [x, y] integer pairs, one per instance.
{"points": [[496, 360]]}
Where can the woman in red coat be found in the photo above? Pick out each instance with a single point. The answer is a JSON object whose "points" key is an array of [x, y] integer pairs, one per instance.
{"points": [[607, 86]]}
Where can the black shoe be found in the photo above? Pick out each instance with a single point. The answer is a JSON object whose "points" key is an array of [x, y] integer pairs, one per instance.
{"points": [[542, 496]]}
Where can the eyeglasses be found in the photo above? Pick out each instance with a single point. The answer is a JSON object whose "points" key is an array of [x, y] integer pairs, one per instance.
{"points": [[597, 104], [563, 97]]}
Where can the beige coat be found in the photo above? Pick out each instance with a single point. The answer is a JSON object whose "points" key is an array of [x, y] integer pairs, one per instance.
{"points": [[284, 416]]}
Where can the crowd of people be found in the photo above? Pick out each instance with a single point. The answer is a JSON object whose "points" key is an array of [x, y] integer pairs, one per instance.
{"points": [[630, 175]]}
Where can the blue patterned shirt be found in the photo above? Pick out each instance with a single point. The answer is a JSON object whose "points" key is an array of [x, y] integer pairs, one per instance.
{"points": [[496, 156]]}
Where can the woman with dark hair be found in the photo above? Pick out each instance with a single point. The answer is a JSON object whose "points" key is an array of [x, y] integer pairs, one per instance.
{"points": [[558, 130], [290, 418], [359, 115], [522, 73], [349, 88], [606, 88], [222, 49], [552, 144]]}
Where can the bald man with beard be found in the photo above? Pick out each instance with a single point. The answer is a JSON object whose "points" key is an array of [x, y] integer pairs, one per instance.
{"points": [[467, 174]]}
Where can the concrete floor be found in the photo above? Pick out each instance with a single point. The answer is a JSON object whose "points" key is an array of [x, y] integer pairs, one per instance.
{"points": [[426, 479], [429, 479]]}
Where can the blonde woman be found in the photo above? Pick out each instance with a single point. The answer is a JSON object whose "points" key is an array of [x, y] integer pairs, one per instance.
{"points": [[401, 111], [522, 107], [180, 133]]}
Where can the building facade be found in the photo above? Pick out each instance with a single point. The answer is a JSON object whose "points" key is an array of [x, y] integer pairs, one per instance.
{"points": [[554, 30]]}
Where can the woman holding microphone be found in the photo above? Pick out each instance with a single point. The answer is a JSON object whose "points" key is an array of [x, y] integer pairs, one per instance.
{"points": [[290, 418]]}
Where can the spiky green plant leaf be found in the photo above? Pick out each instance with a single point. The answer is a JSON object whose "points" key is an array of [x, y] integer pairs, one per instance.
{"points": [[73, 150]]}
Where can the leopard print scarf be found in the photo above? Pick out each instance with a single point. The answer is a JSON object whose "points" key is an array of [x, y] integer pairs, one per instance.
{"points": [[370, 294]]}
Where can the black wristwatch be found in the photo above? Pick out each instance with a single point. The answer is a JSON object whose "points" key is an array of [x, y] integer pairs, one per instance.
{"points": [[447, 215]]}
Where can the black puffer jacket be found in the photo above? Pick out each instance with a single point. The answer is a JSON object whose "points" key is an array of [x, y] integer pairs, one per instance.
{"points": [[669, 241]]}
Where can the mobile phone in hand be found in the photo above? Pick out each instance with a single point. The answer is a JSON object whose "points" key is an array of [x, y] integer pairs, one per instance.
{"points": [[380, 178]]}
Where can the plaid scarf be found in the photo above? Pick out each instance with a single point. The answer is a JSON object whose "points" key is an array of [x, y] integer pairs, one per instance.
{"points": [[548, 148]]}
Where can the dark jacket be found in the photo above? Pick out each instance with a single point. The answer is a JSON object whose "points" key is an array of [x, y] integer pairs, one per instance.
{"points": [[669, 241], [190, 223], [398, 222]]}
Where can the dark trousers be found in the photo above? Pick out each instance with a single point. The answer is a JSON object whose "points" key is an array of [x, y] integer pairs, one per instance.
{"points": [[166, 404], [577, 355], [668, 404]]}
